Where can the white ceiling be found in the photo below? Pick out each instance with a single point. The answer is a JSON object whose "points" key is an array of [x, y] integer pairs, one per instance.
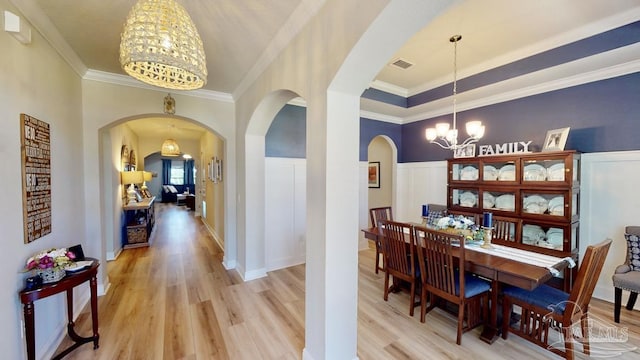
{"points": [[239, 34]]}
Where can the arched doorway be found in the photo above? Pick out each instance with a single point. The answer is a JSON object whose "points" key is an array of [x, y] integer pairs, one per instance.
{"points": [[117, 134], [383, 151]]}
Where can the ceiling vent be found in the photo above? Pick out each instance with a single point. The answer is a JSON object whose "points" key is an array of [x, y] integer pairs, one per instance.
{"points": [[402, 64]]}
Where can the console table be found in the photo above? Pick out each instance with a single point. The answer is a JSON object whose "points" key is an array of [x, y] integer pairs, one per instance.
{"points": [[70, 281]]}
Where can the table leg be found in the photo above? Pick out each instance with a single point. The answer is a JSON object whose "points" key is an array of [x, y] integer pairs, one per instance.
{"points": [[30, 330], [93, 283], [490, 332]]}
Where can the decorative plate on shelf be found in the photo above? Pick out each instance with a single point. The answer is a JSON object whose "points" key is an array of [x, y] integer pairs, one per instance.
{"points": [[554, 237], [468, 199], [488, 200], [556, 206], [556, 172], [535, 172], [535, 204], [490, 173], [507, 173], [506, 202], [531, 234], [469, 173]]}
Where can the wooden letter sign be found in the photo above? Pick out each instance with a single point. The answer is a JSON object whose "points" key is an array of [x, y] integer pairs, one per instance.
{"points": [[36, 177]]}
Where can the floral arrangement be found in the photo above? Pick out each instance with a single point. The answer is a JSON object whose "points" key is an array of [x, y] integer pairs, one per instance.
{"points": [[457, 222], [51, 259], [460, 225]]}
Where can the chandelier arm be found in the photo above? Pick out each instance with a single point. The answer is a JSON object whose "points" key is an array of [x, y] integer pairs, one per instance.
{"points": [[469, 141], [445, 146]]}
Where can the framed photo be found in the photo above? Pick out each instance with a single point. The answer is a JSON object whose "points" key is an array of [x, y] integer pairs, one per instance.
{"points": [[374, 174], [213, 169], [556, 139], [465, 151], [219, 170]]}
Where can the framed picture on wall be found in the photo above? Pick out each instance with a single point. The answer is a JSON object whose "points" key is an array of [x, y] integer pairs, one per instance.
{"points": [[465, 151], [374, 174], [555, 139]]}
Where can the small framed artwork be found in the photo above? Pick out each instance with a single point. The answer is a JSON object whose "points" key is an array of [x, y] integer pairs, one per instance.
{"points": [[374, 174], [219, 170], [466, 151], [214, 169], [555, 139]]}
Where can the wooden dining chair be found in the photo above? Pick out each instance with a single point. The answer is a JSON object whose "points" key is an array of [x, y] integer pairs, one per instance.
{"points": [[398, 247], [376, 214], [505, 228], [546, 308], [442, 279], [627, 275]]}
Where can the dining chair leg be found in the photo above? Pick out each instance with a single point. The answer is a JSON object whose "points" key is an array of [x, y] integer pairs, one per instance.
{"points": [[423, 303], [617, 304], [584, 324], [386, 286], [412, 302], [461, 311], [632, 300], [568, 342]]}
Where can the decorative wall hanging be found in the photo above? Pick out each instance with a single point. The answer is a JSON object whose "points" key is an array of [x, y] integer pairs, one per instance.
{"points": [[374, 174], [36, 177], [169, 105]]}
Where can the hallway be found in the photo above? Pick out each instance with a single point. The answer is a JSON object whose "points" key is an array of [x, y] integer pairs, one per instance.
{"points": [[174, 300]]}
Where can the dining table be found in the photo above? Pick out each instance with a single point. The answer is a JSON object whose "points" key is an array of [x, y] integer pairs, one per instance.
{"points": [[497, 265]]}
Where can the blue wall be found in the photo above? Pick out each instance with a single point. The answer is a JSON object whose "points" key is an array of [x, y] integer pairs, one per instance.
{"points": [[603, 116], [286, 136]]}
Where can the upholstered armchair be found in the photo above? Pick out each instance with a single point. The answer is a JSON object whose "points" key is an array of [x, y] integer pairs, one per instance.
{"points": [[627, 276]]}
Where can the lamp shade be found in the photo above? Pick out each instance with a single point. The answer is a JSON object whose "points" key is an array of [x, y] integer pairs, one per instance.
{"points": [[170, 148], [148, 175], [131, 177], [160, 45]]}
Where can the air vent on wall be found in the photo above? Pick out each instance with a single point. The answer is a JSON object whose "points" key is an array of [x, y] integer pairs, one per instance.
{"points": [[401, 63]]}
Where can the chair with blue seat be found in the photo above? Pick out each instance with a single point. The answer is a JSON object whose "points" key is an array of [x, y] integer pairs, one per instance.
{"points": [[546, 308], [627, 276], [398, 247], [442, 279]]}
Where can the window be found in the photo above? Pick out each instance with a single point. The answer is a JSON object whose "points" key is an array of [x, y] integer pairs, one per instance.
{"points": [[177, 173]]}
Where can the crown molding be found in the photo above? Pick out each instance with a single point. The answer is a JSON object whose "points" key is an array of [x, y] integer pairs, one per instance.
{"points": [[125, 80], [34, 14], [381, 117], [610, 64], [389, 88], [559, 40]]}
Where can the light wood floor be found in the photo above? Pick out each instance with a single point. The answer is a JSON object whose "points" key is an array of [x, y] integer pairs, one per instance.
{"points": [[174, 300]]}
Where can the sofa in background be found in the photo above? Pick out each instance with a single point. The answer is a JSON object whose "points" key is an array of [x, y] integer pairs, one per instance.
{"points": [[170, 192]]}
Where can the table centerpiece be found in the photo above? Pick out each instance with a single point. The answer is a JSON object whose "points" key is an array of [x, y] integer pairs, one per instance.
{"points": [[460, 225]]}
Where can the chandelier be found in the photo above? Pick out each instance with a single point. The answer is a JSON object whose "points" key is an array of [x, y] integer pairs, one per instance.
{"points": [[444, 136], [161, 46], [170, 148]]}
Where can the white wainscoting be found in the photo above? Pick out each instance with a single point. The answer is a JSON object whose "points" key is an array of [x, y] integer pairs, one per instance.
{"points": [[418, 184], [610, 200], [285, 212]]}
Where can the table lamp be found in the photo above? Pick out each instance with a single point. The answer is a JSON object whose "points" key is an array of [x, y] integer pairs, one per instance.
{"points": [[131, 178]]}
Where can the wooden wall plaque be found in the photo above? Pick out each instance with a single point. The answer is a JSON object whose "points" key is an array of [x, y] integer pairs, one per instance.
{"points": [[36, 177]]}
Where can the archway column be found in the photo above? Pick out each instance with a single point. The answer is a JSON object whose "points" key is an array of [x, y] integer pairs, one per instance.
{"points": [[332, 228]]}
